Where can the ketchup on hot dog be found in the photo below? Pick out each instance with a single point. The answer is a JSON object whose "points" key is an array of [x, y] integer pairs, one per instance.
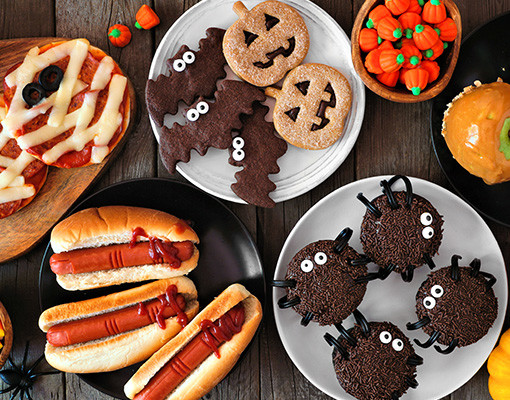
{"points": [[124, 320], [195, 352]]}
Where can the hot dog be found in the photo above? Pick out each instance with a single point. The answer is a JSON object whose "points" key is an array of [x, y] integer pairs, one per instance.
{"points": [[111, 245], [117, 330], [203, 353]]}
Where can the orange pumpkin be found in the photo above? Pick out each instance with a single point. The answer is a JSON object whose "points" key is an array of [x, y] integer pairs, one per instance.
{"points": [[432, 68], [409, 20], [434, 12], [397, 7], [377, 14], [447, 30], [388, 78], [424, 36], [391, 60], [369, 40], [412, 56], [435, 51], [415, 6], [146, 18], [390, 29], [416, 80], [386, 45], [119, 35], [372, 62]]}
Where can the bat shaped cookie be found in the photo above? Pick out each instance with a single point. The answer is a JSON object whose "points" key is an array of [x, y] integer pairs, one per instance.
{"points": [[192, 74], [257, 150], [210, 124]]}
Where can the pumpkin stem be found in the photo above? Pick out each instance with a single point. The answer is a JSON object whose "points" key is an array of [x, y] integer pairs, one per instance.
{"points": [[419, 28], [137, 25], [115, 33], [416, 91], [435, 2]]}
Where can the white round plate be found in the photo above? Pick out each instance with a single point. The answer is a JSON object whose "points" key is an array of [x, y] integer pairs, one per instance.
{"points": [[465, 233], [300, 170]]}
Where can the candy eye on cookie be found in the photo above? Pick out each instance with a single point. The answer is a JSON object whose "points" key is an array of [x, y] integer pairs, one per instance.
{"points": [[193, 114], [180, 64]]}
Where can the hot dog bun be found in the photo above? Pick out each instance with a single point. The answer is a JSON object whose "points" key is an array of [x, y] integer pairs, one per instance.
{"points": [[210, 372], [123, 349], [96, 227]]}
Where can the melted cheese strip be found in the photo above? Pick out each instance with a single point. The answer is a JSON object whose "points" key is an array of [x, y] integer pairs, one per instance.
{"points": [[16, 193]]}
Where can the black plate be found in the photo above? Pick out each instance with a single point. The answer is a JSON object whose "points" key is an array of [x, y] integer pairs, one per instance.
{"points": [[227, 253], [484, 56]]}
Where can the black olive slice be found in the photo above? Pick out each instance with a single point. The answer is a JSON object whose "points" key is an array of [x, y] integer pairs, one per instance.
{"points": [[33, 93], [50, 78]]}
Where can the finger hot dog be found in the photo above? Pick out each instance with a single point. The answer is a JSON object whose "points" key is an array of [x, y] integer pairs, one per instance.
{"points": [[117, 330], [201, 355], [111, 245]]}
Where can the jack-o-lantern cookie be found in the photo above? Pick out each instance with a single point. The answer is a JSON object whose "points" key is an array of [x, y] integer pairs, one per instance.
{"points": [[68, 104], [312, 106], [266, 42]]}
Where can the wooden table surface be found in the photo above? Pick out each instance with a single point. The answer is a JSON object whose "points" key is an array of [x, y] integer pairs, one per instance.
{"points": [[394, 139]]}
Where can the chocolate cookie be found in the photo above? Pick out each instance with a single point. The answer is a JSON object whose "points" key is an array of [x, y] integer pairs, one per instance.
{"points": [[210, 124], [374, 360], [256, 149], [192, 74], [456, 306], [325, 281], [266, 42], [312, 106], [400, 230]]}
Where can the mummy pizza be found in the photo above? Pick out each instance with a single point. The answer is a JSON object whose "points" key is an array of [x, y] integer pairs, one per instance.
{"points": [[209, 124], [192, 74], [456, 306], [256, 149], [400, 230], [266, 42], [21, 175], [68, 104], [374, 360], [325, 281], [312, 106]]}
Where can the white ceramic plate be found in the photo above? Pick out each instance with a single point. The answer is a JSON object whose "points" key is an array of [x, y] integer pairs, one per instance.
{"points": [[300, 170], [465, 233]]}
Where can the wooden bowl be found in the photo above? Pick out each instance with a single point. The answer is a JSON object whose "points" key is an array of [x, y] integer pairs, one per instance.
{"points": [[399, 93], [7, 341]]}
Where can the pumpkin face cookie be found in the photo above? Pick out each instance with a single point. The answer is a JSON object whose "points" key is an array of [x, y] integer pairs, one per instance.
{"points": [[312, 106], [265, 42]]}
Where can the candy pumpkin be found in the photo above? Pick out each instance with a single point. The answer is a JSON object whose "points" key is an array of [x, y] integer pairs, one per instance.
{"points": [[409, 20], [369, 40], [435, 51], [388, 78], [119, 35], [372, 62], [416, 80], [432, 68], [434, 12], [412, 56], [385, 45], [389, 29], [416, 6], [146, 18], [391, 60], [498, 366], [397, 7], [425, 37], [447, 30], [377, 14]]}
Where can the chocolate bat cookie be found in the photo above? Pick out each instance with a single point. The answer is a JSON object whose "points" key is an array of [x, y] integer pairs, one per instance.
{"points": [[256, 149], [210, 124], [192, 74]]}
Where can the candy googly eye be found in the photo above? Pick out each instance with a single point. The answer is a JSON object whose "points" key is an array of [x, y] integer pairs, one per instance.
{"points": [[306, 265], [427, 232], [238, 142], [437, 291], [238, 155], [202, 107], [429, 302], [188, 57], [192, 115], [179, 65], [397, 345], [320, 258], [385, 337], [426, 219]]}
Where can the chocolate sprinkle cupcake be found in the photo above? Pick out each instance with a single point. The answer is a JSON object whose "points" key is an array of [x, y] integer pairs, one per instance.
{"points": [[458, 304], [381, 365], [400, 232], [321, 282]]}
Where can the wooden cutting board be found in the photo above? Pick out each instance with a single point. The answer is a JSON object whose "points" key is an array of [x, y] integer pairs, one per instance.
{"points": [[25, 228]]}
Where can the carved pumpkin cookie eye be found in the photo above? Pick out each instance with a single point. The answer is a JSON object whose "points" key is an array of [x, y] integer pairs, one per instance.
{"points": [[266, 42], [312, 106]]}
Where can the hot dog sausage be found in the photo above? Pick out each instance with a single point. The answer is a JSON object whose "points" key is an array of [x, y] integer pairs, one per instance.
{"points": [[123, 320], [120, 255], [193, 354]]}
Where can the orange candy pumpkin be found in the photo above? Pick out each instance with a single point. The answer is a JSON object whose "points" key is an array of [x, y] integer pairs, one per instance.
{"points": [[119, 35], [434, 12], [388, 78], [372, 62], [412, 56], [397, 7], [391, 60], [389, 29], [435, 51], [432, 68], [146, 18], [447, 30], [377, 14], [369, 40], [416, 80], [386, 45], [424, 36], [416, 6], [409, 20]]}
